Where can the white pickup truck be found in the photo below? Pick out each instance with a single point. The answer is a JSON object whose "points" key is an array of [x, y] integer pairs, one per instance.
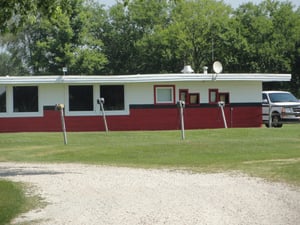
{"points": [[282, 106]]}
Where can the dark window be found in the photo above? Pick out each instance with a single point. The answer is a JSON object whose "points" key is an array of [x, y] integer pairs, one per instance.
{"points": [[183, 95], [2, 99], [26, 99], [265, 98], [113, 96], [282, 97], [81, 98], [194, 98], [224, 97]]}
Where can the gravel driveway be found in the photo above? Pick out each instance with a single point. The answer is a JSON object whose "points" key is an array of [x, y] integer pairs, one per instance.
{"points": [[83, 194]]}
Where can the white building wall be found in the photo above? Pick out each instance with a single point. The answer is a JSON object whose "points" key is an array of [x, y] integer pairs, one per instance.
{"points": [[141, 93], [239, 91], [51, 94], [247, 91]]}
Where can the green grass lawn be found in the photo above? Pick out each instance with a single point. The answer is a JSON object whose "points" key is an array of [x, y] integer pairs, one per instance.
{"points": [[270, 153], [11, 200], [273, 154]]}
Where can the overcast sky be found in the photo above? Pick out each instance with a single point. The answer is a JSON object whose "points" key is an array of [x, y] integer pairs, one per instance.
{"points": [[233, 3]]}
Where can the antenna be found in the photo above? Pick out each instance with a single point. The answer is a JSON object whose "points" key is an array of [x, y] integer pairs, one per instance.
{"points": [[217, 67]]}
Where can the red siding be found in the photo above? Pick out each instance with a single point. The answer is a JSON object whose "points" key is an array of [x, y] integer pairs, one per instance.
{"points": [[140, 119]]}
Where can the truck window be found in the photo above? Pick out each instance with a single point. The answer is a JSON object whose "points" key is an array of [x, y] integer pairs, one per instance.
{"points": [[282, 97], [264, 98]]}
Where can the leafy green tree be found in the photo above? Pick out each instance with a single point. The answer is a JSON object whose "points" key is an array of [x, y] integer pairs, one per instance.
{"points": [[64, 40], [271, 31], [173, 33], [119, 37], [15, 13], [199, 30], [153, 47], [89, 54], [11, 66]]}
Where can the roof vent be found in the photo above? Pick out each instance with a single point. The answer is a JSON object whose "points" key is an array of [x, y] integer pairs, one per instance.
{"points": [[205, 68], [187, 69]]}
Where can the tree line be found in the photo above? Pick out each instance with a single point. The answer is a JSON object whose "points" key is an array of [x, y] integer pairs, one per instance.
{"points": [[149, 36]]}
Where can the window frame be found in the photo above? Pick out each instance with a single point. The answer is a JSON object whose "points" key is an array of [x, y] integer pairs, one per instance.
{"points": [[124, 99], [210, 91], [186, 92], [197, 96], [160, 87], [80, 111], [5, 99], [226, 95], [35, 112]]}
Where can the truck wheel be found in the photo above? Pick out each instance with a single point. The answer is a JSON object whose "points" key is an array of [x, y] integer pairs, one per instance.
{"points": [[276, 121]]}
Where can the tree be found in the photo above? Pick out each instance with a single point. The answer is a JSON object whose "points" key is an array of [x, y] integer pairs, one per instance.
{"points": [[64, 40], [271, 30], [15, 13], [119, 37], [198, 30], [153, 47], [10, 66], [169, 34]]}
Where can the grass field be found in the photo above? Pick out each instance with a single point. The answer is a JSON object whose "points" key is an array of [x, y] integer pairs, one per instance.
{"points": [[11, 200], [270, 153], [273, 154]]}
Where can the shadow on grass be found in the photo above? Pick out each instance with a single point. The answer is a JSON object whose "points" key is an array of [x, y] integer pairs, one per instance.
{"points": [[6, 171]]}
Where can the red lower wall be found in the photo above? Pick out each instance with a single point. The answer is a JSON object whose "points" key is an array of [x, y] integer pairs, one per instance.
{"points": [[140, 119]]}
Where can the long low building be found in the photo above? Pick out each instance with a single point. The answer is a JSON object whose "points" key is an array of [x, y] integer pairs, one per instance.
{"points": [[132, 102]]}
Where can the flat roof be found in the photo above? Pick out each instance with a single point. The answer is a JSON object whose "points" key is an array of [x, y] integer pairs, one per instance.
{"points": [[143, 78]]}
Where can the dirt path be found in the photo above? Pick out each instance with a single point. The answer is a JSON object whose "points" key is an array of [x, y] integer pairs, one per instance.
{"points": [[82, 194]]}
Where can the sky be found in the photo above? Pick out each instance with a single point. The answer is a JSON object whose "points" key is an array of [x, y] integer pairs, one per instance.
{"points": [[233, 3]]}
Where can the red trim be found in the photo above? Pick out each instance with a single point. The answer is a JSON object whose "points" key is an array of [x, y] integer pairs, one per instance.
{"points": [[151, 118], [169, 86]]}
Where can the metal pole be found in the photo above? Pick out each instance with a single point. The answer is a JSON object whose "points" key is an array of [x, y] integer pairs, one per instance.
{"points": [[63, 125], [270, 116], [221, 104], [104, 117], [231, 115], [182, 121]]}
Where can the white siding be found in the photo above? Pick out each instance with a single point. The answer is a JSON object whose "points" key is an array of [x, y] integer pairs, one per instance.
{"points": [[140, 93], [52, 94], [239, 91]]}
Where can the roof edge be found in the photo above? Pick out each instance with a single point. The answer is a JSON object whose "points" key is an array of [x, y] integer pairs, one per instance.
{"points": [[142, 78]]}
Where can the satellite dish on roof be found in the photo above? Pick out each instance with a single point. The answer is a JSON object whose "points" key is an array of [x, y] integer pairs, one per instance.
{"points": [[217, 67]]}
